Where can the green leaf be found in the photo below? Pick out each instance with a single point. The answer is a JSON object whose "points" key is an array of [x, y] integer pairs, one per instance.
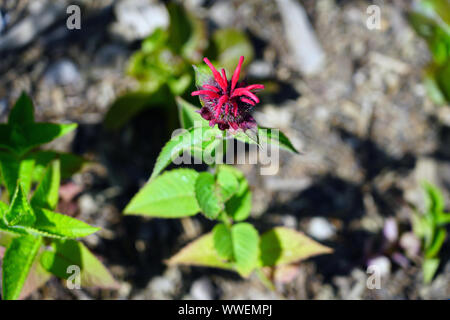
{"points": [[198, 40], [66, 253], [58, 225], [419, 225], [188, 114], [268, 136], [46, 195], [182, 142], [431, 21], [245, 247], [179, 84], [180, 27], [231, 44], [200, 252], [202, 75], [14, 169], [187, 34], [171, 195], [443, 74], [238, 207], [443, 219], [441, 8], [228, 182], [432, 87], [69, 163], [23, 111], [7, 232], [433, 249], [208, 195], [37, 277], [281, 246], [20, 212], [435, 199], [276, 137], [3, 209], [21, 138], [429, 269], [222, 241], [17, 262], [155, 41], [6, 237], [130, 104]]}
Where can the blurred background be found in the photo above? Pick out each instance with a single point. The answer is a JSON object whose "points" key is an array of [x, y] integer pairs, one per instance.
{"points": [[360, 87]]}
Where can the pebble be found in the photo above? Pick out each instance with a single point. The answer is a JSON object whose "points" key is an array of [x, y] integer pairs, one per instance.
{"points": [[137, 19], [308, 54], [63, 72], [222, 13], [202, 289], [390, 229], [88, 206], [382, 265], [410, 243], [260, 69], [321, 229]]}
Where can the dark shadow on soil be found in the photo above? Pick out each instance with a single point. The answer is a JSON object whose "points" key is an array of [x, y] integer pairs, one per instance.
{"points": [[333, 197], [442, 151]]}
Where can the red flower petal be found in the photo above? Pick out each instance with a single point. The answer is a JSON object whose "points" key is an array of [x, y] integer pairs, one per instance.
{"points": [[251, 102], [216, 74], [218, 107], [244, 92], [236, 74], [205, 92], [210, 87], [254, 86], [224, 76]]}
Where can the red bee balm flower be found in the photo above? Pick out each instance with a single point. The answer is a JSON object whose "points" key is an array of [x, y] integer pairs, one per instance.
{"points": [[227, 103]]}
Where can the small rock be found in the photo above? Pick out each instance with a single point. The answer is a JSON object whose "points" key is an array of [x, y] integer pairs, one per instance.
{"points": [[202, 289], [194, 4], [222, 13], [321, 229], [161, 284], [124, 290], [358, 288], [274, 183], [63, 72], [410, 243], [289, 221], [260, 69], [381, 264], [88, 206], [306, 50], [137, 19], [390, 230]]}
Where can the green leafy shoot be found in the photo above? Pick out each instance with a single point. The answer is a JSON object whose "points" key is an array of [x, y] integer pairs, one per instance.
{"points": [[32, 180], [430, 227], [21, 133], [431, 21], [18, 259]]}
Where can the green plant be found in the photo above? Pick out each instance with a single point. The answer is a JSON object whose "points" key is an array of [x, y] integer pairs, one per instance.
{"points": [[222, 193], [431, 20], [430, 227], [163, 65], [39, 241]]}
